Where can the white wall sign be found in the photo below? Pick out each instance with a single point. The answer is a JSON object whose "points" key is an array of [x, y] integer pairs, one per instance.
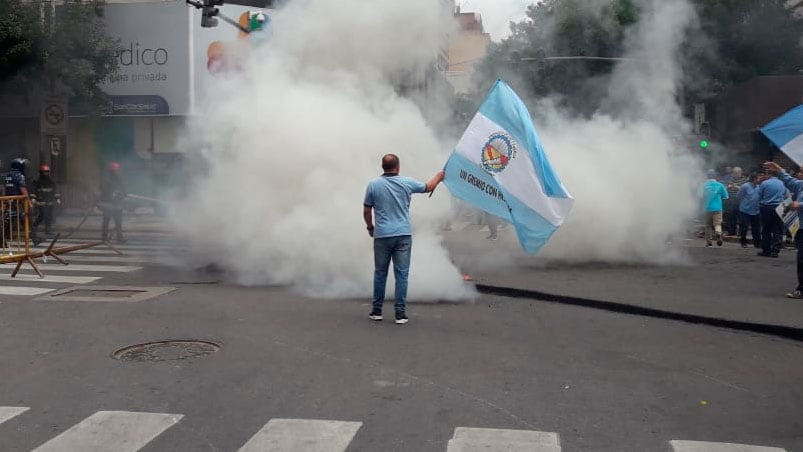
{"points": [[154, 75]]}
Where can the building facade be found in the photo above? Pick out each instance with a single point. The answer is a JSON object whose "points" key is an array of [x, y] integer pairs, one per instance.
{"points": [[467, 47]]}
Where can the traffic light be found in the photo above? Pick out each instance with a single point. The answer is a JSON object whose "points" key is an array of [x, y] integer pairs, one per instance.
{"points": [[703, 144], [256, 21], [252, 24], [208, 13]]}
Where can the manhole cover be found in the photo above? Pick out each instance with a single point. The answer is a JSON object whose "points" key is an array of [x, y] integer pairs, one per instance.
{"points": [[166, 350]]}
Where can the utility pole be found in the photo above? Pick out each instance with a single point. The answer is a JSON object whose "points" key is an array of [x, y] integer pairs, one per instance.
{"points": [[210, 11]]}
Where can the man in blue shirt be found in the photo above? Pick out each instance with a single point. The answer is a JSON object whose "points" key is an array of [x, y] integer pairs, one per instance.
{"points": [[712, 193], [388, 197], [796, 187], [771, 194], [749, 213]]}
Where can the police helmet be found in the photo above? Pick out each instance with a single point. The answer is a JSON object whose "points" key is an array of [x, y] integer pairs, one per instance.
{"points": [[18, 164]]}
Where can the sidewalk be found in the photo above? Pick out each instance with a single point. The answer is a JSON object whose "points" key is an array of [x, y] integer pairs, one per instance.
{"points": [[729, 283]]}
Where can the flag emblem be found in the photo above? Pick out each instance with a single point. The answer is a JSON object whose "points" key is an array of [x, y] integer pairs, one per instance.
{"points": [[498, 152]]}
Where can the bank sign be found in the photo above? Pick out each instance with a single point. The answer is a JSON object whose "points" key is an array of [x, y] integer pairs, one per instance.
{"points": [[154, 68]]}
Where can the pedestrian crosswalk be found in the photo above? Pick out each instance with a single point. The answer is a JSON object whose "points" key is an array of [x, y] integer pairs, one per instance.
{"points": [[129, 431], [121, 431], [89, 265], [280, 435], [479, 439], [9, 412]]}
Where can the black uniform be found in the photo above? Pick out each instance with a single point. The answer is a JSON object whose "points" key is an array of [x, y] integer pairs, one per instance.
{"points": [[45, 197], [112, 194], [13, 182]]}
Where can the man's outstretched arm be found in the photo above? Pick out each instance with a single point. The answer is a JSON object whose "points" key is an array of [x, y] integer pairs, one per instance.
{"points": [[436, 179]]}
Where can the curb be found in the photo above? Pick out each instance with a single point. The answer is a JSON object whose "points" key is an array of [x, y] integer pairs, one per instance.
{"points": [[785, 332]]}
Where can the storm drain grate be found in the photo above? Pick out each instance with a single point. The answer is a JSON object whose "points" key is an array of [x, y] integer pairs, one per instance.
{"points": [[168, 350], [111, 294], [105, 293]]}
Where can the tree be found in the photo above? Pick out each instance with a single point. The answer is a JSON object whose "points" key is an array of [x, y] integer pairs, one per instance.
{"points": [[555, 28], [733, 41], [18, 40], [63, 49], [741, 39]]}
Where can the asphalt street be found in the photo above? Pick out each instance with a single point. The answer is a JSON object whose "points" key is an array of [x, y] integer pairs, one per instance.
{"points": [[598, 380]]}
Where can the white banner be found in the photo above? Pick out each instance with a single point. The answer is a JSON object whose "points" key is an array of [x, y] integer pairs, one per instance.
{"points": [[155, 70]]}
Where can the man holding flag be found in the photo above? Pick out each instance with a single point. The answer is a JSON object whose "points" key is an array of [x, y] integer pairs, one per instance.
{"points": [[500, 167], [388, 197]]}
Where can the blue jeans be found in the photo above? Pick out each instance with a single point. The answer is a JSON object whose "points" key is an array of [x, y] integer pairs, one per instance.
{"points": [[385, 249]]}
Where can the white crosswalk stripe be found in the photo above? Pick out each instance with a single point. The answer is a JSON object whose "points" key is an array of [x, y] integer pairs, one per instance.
{"points": [[286, 435], [107, 431], [89, 265], [128, 431], [49, 278], [704, 446], [10, 412], [147, 246], [23, 290], [126, 259], [50, 267], [493, 440]]}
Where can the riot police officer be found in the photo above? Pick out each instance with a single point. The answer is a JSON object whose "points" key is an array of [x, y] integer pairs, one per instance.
{"points": [[45, 197], [112, 194], [14, 185]]}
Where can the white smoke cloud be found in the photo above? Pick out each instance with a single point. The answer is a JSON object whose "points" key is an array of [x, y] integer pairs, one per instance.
{"points": [[292, 140], [497, 14], [634, 183]]}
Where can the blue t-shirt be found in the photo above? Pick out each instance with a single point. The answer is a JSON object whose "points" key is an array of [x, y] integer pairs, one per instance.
{"points": [[389, 195], [748, 199], [771, 192], [713, 193]]}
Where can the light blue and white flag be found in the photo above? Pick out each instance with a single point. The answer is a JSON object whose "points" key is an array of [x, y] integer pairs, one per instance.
{"points": [[500, 166], [786, 132]]}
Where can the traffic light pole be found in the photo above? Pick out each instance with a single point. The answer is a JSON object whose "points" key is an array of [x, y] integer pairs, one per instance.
{"points": [[210, 12], [233, 22]]}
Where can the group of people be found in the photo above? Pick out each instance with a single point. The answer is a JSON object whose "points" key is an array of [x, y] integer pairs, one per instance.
{"points": [[43, 197], [753, 204]]}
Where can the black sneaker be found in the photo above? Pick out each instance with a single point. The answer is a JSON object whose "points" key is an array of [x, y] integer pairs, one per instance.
{"points": [[744, 245], [796, 294], [719, 239], [401, 318], [375, 315], [708, 244]]}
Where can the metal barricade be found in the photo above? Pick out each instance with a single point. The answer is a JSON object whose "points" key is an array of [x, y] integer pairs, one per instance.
{"points": [[15, 238], [15, 212]]}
